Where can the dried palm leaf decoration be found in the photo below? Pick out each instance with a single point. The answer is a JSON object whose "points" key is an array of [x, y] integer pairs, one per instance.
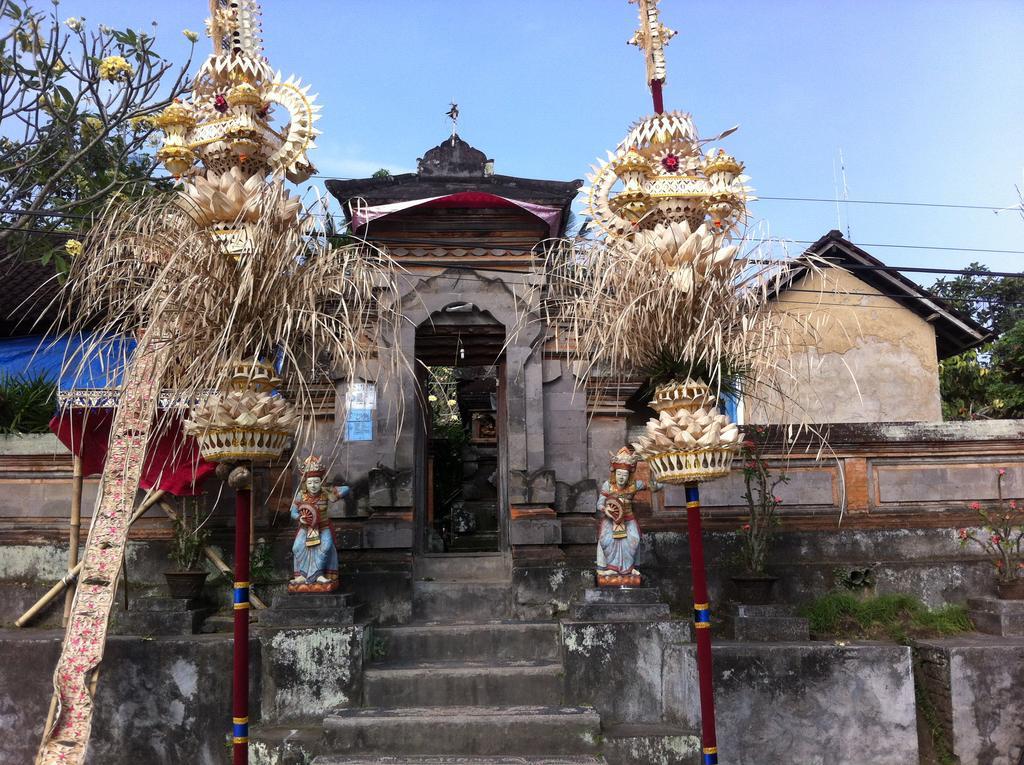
{"points": [[221, 283], [668, 293]]}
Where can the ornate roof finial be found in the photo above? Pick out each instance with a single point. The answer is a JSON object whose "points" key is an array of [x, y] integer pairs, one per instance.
{"points": [[651, 38]]}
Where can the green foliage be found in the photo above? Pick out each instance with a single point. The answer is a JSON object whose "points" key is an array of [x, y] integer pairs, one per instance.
{"points": [[26, 404], [986, 382], [74, 136], [896, 617], [763, 504], [261, 563], [190, 535], [726, 379], [1001, 535], [382, 173]]}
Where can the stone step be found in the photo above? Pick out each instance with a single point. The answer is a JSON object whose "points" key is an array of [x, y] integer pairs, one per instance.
{"points": [[477, 542], [433, 684], [464, 730], [620, 604], [454, 602], [629, 744], [442, 759], [468, 567], [513, 641]]}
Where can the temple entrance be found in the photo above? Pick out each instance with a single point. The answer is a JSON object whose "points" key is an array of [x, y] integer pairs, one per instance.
{"points": [[459, 363]]}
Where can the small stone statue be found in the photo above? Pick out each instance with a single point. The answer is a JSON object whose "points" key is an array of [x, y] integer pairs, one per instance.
{"points": [[315, 568], [618, 535]]}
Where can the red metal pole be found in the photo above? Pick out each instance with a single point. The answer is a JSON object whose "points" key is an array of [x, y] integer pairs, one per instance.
{"points": [[659, 104], [702, 626], [240, 683]]}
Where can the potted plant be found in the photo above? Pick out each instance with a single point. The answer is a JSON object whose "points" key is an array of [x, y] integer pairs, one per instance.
{"points": [[187, 543], [1001, 535], [754, 585]]}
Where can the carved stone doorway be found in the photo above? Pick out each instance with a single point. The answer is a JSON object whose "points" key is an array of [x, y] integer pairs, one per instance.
{"points": [[460, 505]]}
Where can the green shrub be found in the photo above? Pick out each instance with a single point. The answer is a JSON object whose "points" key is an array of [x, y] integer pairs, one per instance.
{"points": [[26, 404]]}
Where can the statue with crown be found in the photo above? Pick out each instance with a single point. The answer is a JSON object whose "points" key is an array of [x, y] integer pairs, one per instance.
{"points": [[618, 535], [315, 566]]}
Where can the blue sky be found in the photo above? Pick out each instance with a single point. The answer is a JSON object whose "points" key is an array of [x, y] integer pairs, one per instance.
{"points": [[925, 98]]}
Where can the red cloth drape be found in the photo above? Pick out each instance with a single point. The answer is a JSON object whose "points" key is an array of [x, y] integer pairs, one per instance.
{"points": [[172, 461]]}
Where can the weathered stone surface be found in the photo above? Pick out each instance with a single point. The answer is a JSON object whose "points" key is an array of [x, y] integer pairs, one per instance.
{"points": [[463, 683], [461, 601], [164, 699], [997, 617], [767, 623], [284, 745], [650, 744], [306, 671], [477, 567], [618, 667], [544, 592], [311, 610], [512, 641], [535, 531], [809, 703], [460, 760], [386, 591], [620, 604], [158, 615], [975, 682], [464, 730]]}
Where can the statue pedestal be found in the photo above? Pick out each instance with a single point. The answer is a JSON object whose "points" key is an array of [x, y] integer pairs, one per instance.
{"points": [[997, 617], [620, 604], [767, 624], [337, 609], [161, 615]]}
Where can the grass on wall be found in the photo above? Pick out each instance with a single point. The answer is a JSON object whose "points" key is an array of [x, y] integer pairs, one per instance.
{"points": [[894, 617]]}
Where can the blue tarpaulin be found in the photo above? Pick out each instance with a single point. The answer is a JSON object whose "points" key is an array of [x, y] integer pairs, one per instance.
{"points": [[38, 355]]}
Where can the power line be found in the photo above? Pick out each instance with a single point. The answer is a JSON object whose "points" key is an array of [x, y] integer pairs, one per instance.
{"points": [[944, 205]]}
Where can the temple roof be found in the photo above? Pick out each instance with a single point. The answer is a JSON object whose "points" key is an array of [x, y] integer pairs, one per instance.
{"points": [[453, 167]]}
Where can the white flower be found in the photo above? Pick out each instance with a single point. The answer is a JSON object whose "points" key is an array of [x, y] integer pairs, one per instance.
{"points": [[190, 35], [74, 24]]}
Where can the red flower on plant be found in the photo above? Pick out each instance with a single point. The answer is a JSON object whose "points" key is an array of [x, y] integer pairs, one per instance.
{"points": [[745, 527], [996, 539], [963, 533], [778, 500], [1013, 504], [1002, 471], [975, 506]]}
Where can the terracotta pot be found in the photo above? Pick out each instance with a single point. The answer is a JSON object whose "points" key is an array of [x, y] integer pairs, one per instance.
{"points": [[1011, 590], [754, 589], [185, 584]]}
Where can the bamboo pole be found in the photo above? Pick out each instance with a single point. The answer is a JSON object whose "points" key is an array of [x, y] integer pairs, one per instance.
{"points": [[212, 556], [72, 575], [74, 531]]}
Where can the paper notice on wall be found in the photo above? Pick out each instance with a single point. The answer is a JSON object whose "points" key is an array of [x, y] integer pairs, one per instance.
{"points": [[360, 401]]}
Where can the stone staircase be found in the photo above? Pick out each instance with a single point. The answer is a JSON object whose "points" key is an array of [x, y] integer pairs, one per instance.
{"points": [[462, 684]]}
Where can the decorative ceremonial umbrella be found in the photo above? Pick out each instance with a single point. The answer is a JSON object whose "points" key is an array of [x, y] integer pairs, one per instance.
{"points": [[665, 294], [226, 268]]}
